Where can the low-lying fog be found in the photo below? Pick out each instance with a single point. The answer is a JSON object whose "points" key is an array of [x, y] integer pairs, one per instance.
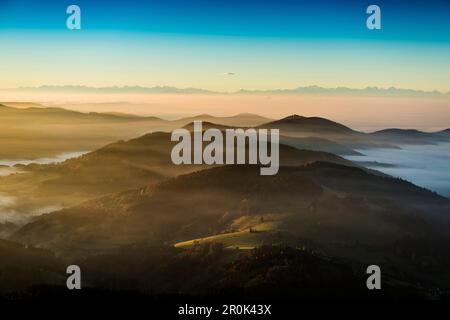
{"points": [[9, 204], [56, 159], [10, 213], [425, 165]]}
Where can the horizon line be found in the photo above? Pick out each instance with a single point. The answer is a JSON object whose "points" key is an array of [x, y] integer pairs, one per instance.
{"points": [[311, 89]]}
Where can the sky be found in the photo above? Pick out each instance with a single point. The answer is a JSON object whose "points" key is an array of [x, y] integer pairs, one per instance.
{"points": [[226, 45]]}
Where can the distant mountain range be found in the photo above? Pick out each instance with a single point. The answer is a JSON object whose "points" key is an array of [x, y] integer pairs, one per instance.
{"points": [[22, 111], [368, 91], [391, 91], [31, 131], [41, 131]]}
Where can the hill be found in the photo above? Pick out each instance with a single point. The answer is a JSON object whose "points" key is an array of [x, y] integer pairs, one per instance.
{"points": [[318, 144], [208, 125], [314, 125], [239, 120], [42, 114], [337, 136], [305, 143], [31, 131], [37, 131], [116, 167], [331, 204], [410, 136], [160, 273], [22, 266], [274, 273]]}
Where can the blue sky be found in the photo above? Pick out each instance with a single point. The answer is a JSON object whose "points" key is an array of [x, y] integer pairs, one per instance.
{"points": [[422, 21], [267, 44]]}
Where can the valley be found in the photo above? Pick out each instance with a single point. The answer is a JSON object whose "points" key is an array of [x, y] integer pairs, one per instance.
{"points": [[128, 195]]}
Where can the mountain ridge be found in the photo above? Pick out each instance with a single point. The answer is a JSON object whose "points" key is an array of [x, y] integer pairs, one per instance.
{"points": [[311, 124], [299, 195], [312, 89]]}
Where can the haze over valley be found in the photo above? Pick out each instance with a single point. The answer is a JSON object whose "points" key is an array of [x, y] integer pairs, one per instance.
{"points": [[84, 186]]}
